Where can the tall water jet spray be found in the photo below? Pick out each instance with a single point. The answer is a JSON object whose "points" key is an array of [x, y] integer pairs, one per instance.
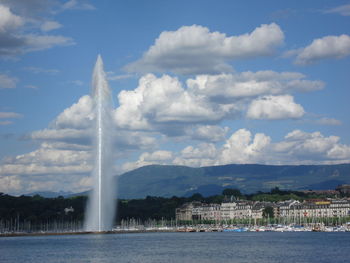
{"points": [[101, 205]]}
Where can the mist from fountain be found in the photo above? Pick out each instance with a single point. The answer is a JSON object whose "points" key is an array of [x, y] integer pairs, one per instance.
{"points": [[101, 204]]}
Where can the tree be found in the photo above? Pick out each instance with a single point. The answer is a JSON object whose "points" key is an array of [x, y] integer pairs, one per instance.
{"points": [[268, 212], [196, 197], [232, 192]]}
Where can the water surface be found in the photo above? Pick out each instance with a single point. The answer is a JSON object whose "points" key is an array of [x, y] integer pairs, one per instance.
{"points": [[246, 247]]}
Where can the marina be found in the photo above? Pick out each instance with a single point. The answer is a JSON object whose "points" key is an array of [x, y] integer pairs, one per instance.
{"points": [[191, 229]]}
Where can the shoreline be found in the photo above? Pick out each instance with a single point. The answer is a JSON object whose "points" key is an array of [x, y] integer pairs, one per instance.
{"points": [[23, 234], [280, 228]]}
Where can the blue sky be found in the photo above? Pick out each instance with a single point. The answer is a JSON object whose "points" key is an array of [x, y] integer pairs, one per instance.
{"points": [[194, 83]]}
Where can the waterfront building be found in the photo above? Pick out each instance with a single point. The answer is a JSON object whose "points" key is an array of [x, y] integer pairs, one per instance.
{"points": [[314, 208], [344, 189], [243, 209], [210, 212], [187, 211]]}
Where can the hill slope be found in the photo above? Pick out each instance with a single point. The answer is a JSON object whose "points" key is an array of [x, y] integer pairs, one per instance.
{"points": [[168, 180]]}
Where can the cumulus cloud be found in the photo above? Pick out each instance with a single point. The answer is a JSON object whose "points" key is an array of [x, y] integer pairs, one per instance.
{"points": [[243, 147], [160, 101], [13, 37], [274, 108], [164, 104], [78, 116], [20, 184], [11, 184], [52, 167], [208, 133], [203, 155], [148, 158], [240, 148], [343, 10], [162, 107], [303, 147], [7, 82], [48, 160], [74, 126], [250, 84], [8, 20], [328, 47], [194, 49], [33, 9]]}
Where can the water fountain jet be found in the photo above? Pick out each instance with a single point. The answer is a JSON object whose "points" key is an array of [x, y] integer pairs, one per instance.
{"points": [[101, 204]]}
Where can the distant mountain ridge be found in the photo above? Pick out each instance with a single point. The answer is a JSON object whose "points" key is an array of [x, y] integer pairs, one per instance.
{"points": [[169, 180], [48, 194]]}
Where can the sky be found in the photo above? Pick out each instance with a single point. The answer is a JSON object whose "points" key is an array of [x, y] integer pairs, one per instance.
{"points": [[195, 83]]}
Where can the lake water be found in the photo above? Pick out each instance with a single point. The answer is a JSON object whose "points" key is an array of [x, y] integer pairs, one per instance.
{"points": [[249, 247]]}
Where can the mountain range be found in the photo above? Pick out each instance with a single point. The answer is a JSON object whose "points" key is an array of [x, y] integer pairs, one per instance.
{"points": [[169, 180]]}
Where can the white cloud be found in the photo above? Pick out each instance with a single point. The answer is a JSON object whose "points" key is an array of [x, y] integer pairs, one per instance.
{"points": [[328, 121], [13, 37], [328, 47], [274, 108], [75, 126], [7, 82], [80, 136], [8, 20], [47, 160], [50, 25], [31, 9], [77, 5], [20, 184], [297, 148], [4, 123], [160, 101], [303, 147], [41, 42], [111, 76], [164, 104], [240, 148], [343, 10], [208, 133], [203, 155], [78, 116], [157, 157], [194, 49], [52, 167], [10, 115], [38, 70], [250, 84], [11, 184]]}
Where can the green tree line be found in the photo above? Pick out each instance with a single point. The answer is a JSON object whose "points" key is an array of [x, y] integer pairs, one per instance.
{"points": [[37, 209]]}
